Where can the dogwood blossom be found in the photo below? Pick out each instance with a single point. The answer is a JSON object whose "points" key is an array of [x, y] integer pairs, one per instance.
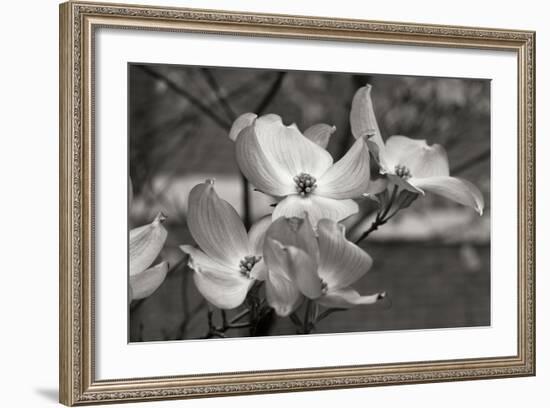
{"points": [[297, 170], [408, 163], [321, 268], [229, 259]]}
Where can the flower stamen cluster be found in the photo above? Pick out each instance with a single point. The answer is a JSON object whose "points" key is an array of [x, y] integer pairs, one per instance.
{"points": [[247, 263], [324, 287], [402, 171], [305, 183]]}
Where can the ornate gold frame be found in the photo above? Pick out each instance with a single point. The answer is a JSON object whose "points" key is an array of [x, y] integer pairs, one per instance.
{"points": [[78, 20]]}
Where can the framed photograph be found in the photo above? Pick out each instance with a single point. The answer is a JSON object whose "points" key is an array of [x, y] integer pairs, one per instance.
{"points": [[259, 203]]}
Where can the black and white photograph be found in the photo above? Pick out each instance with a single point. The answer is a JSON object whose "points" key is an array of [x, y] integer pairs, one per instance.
{"points": [[265, 203]]}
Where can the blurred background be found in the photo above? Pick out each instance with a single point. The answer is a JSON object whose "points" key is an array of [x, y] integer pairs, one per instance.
{"points": [[433, 258]]}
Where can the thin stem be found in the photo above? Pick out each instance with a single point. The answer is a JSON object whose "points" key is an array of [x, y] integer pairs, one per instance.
{"points": [[390, 203], [307, 326], [380, 217], [471, 161], [270, 93], [296, 320], [225, 324], [239, 325], [327, 313], [211, 79], [374, 226], [240, 316]]}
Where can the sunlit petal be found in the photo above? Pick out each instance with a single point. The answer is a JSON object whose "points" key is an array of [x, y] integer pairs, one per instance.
{"points": [[295, 265], [377, 186], [286, 148], [256, 235], [320, 134], [223, 287], [342, 262], [281, 291], [456, 189], [348, 297], [362, 118], [422, 160], [282, 294], [316, 206], [243, 121], [143, 284], [296, 232], [403, 184], [349, 177], [259, 270], [216, 226], [260, 171], [145, 244]]}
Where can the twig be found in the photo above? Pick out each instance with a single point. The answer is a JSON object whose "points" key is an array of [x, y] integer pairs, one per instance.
{"points": [[187, 95], [478, 158], [184, 323], [242, 314], [296, 320], [307, 326], [380, 217], [327, 313], [211, 79], [262, 106]]}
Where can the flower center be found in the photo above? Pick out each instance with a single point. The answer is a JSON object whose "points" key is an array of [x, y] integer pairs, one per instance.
{"points": [[324, 287], [305, 183], [402, 171], [247, 263]]}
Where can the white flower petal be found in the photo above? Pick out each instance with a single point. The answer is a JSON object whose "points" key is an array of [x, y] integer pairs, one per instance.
{"points": [[256, 235], [296, 232], [259, 271], [362, 118], [293, 264], [261, 171], [143, 284], [216, 226], [349, 177], [342, 262], [286, 148], [402, 184], [377, 186], [223, 287], [243, 121], [348, 297], [145, 244], [422, 160], [456, 189], [320, 134], [316, 206], [282, 294]]}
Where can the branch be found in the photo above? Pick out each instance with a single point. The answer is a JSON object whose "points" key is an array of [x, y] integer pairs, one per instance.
{"points": [[270, 94], [211, 79], [380, 217], [190, 97], [478, 158]]}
